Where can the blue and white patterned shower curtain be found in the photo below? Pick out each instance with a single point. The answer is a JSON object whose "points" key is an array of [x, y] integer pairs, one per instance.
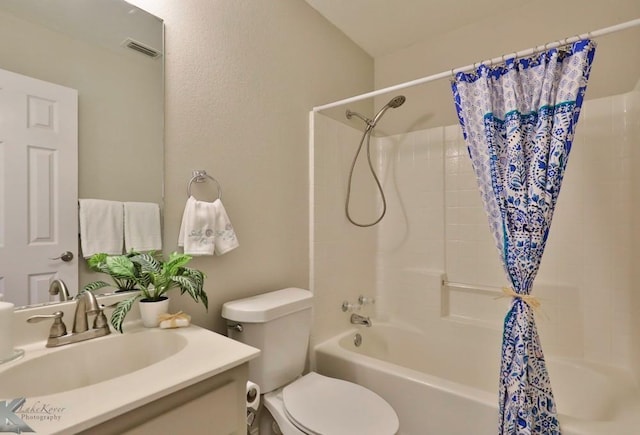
{"points": [[518, 120]]}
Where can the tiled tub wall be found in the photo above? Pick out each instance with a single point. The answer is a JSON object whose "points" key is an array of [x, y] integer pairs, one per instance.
{"points": [[435, 228], [436, 225], [343, 258]]}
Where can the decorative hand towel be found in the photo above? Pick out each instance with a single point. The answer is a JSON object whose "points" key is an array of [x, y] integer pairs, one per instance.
{"points": [[206, 229], [225, 237], [188, 224], [142, 226], [101, 227]]}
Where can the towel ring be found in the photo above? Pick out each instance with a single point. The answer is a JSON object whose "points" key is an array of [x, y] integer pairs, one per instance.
{"points": [[200, 176]]}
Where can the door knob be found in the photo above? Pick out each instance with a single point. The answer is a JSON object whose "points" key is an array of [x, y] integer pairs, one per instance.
{"points": [[65, 256]]}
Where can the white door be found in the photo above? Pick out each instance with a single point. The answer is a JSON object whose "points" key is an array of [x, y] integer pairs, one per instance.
{"points": [[38, 187]]}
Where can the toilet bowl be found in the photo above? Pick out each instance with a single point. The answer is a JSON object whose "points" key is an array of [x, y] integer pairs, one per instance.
{"points": [[278, 323]]}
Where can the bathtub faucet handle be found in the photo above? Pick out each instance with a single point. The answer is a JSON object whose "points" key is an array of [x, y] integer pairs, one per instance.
{"points": [[362, 300], [348, 307]]}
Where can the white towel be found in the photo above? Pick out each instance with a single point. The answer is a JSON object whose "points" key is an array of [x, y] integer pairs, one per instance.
{"points": [[142, 226], [206, 229], [101, 227], [225, 236]]}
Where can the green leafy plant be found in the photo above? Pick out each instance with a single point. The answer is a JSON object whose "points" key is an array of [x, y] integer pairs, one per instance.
{"points": [[151, 275], [110, 265]]}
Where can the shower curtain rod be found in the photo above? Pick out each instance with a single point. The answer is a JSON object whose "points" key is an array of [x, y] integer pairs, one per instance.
{"points": [[452, 72]]}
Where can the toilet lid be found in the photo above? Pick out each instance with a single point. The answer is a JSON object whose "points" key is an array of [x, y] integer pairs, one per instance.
{"points": [[318, 404]]}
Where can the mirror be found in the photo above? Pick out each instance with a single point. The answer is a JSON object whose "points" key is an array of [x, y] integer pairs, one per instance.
{"points": [[96, 48]]}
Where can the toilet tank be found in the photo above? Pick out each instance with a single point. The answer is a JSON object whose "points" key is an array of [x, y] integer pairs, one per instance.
{"points": [[278, 323]]}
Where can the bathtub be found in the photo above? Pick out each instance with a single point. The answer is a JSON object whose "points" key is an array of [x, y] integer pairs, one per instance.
{"points": [[450, 388]]}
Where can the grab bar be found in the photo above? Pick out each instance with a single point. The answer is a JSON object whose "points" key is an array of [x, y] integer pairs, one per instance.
{"points": [[462, 285]]}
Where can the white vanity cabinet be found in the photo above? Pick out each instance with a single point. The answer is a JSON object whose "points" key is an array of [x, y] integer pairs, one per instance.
{"points": [[215, 406]]}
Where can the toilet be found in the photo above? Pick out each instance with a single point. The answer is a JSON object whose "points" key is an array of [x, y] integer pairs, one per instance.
{"points": [[278, 323]]}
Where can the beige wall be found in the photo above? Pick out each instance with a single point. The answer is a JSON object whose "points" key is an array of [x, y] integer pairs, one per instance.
{"points": [[241, 77]]}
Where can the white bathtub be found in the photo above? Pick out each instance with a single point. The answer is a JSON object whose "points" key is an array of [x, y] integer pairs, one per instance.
{"points": [[441, 387]]}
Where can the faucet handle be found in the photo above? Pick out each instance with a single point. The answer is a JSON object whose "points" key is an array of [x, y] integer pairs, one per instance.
{"points": [[58, 329], [362, 300], [348, 307], [100, 322]]}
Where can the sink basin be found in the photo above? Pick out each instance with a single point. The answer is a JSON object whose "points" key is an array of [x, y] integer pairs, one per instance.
{"points": [[81, 386], [86, 363]]}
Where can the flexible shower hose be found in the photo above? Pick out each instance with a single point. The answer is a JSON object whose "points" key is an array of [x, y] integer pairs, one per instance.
{"points": [[366, 135]]}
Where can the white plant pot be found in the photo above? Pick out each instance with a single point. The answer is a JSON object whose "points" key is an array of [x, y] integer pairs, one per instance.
{"points": [[150, 311]]}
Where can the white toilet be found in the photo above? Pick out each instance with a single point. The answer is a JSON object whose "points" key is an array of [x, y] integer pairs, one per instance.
{"points": [[278, 323]]}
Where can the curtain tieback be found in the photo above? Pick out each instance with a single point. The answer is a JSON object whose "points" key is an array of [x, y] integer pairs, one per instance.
{"points": [[532, 301]]}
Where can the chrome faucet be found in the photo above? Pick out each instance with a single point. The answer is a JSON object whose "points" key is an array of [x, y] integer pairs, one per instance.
{"points": [[357, 319], [86, 304], [58, 287]]}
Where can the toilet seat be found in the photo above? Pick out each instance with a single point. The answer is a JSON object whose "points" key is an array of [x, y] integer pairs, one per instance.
{"points": [[318, 404]]}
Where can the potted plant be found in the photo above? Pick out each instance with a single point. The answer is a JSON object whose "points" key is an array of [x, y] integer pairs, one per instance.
{"points": [[154, 277]]}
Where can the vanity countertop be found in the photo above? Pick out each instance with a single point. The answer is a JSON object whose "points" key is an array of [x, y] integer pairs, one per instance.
{"points": [[204, 355]]}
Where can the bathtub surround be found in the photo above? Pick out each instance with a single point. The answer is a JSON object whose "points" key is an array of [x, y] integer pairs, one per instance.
{"points": [[436, 223]]}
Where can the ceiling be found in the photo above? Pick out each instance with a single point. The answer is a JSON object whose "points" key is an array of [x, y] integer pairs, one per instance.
{"points": [[384, 26]]}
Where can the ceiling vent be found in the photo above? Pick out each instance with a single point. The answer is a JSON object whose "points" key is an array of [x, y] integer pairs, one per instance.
{"points": [[141, 48]]}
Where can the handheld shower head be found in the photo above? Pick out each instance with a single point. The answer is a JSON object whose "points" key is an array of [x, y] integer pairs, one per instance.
{"points": [[397, 101], [394, 103]]}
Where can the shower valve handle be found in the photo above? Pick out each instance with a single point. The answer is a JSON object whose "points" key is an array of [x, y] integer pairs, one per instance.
{"points": [[349, 307], [362, 300]]}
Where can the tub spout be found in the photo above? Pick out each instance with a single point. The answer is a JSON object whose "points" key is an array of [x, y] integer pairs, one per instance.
{"points": [[357, 319]]}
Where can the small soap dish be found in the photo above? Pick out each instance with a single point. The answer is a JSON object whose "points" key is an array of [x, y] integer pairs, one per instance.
{"points": [[14, 355]]}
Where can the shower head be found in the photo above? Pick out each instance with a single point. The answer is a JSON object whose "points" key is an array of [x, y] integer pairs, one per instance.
{"points": [[394, 103]]}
